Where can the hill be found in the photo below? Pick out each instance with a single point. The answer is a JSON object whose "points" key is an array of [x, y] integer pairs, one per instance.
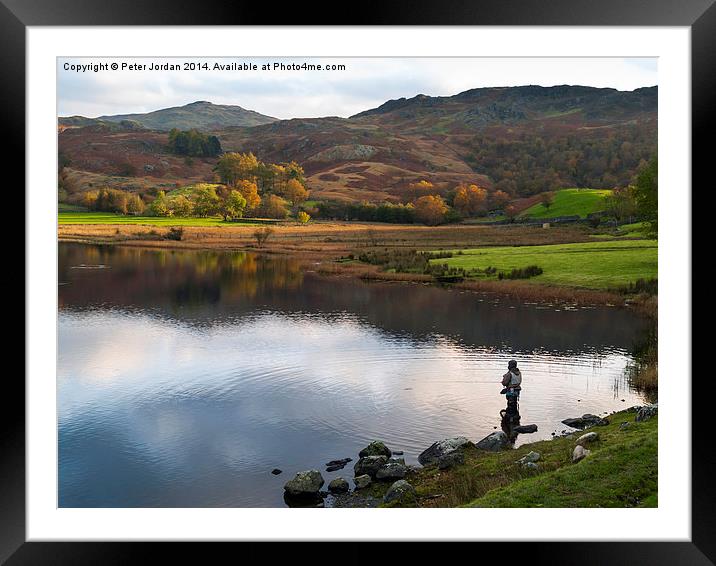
{"points": [[201, 115], [523, 140]]}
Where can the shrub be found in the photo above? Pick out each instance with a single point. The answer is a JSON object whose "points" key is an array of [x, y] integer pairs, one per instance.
{"points": [[175, 233], [262, 234], [521, 273]]}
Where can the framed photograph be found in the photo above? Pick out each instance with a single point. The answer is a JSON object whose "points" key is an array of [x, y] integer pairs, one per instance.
{"points": [[389, 279]]}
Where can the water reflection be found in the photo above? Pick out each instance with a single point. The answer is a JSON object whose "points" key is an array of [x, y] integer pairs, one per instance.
{"points": [[184, 378]]}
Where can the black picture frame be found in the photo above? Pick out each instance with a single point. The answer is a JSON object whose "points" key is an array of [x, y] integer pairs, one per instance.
{"points": [[16, 15]]}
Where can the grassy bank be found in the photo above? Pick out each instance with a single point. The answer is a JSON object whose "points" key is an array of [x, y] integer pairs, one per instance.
{"points": [[621, 471], [67, 216], [594, 265], [570, 202]]}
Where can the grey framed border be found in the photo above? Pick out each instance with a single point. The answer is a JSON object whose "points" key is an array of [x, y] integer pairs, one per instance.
{"points": [[16, 15]]}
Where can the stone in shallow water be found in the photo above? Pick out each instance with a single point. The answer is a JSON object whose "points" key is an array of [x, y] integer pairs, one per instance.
{"points": [[305, 483], [375, 448], [585, 421], [526, 428], [276, 471]]}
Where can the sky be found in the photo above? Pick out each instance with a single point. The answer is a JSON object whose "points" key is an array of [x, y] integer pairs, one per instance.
{"points": [[364, 83]]}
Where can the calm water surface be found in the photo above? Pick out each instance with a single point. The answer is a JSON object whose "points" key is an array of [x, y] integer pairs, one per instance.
{"points": [[184, 378]]}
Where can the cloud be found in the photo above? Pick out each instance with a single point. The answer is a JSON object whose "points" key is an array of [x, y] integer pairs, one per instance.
{"points": [[364, 83]]}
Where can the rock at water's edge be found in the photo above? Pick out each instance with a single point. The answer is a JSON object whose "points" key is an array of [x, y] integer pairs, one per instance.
{"points": [[375, 448], [362, 481], [494, 442], [369, 465], [451, 460], [441, 448], [305, 483], [338, 485]]}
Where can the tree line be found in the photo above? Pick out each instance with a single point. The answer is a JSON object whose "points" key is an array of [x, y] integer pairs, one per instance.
{"points": [[193, 143]]}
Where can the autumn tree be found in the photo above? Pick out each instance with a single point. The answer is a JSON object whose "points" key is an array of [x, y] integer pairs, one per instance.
{"points": [[511, 212], [234, 167], [295, 192], [499, 199], [470, 200], [250, 192], [419, 189], [89, 200], [135, 205], [275, 207], [303, 217], [430, 209]]}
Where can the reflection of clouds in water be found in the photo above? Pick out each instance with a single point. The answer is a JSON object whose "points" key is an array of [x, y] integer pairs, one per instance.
{"points": [[114, 357]]}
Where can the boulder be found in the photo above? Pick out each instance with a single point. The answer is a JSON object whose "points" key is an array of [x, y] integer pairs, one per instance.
{"points": [[526, 428], [587, 438], [580, 452], [494, 442], [391, 471], [529, 458], [585, 421], [400, 491], [369, 465], [646, 412], [450, 460], [375, 448], [305, 484], [530, 466], [441, 448], [362, 481], [338, 485], [625, 425]]}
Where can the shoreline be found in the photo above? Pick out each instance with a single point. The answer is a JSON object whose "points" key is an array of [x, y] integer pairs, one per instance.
{"points": [[620, 468], [321, 251]]}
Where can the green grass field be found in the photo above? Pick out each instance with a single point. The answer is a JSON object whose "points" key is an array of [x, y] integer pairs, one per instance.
{"points": [[594, 265], [621, 471], [569, 202], [111, 218]]}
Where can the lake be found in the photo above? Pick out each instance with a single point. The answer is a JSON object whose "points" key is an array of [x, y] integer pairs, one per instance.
{"points": [[185, 377]]}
